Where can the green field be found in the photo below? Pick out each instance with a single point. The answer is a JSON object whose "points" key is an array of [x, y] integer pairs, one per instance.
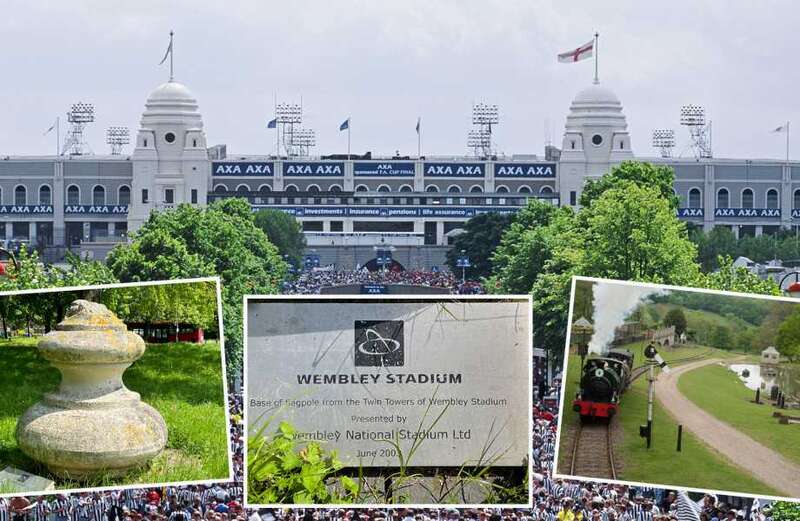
{"points": [[182, 381], [695, 466], [719, 391]]}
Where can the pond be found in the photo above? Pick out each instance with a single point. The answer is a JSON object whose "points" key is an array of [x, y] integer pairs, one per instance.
{"points": [[764, 377]]}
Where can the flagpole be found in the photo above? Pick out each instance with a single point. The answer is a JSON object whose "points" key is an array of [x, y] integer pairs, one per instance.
{"points": [[419, 138], [596, 38], [348, 138], [787, 141], [171, 52], [58, 135]]}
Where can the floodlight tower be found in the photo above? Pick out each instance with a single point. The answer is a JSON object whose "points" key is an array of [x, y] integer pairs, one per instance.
{"points": [[664, 140], [78, 117], [694, 118], [117, 137], [303, 139], [287, 115], [483, 117]]}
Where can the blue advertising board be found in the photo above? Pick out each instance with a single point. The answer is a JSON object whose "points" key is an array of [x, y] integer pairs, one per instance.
{"points": [[394, 212], [20, 209], [96, 209], [242, 168], [313, 169], [383, 168], [687, 213], [525, 170], [454, 169], [374, 289], [748, 213]]}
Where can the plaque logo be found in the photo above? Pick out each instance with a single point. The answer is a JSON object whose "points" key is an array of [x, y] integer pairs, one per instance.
{"points": [[379, 343]]}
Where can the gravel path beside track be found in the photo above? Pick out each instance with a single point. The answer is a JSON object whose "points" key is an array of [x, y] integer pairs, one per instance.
{"points": [[764, 463]]}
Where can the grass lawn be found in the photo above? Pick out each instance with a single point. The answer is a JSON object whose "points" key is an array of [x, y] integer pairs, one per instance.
{"points": [[182, 381], [718, 391], [695, 466]]}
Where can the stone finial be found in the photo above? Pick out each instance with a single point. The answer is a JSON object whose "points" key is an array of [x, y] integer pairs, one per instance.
{"points": [[92, 424]]}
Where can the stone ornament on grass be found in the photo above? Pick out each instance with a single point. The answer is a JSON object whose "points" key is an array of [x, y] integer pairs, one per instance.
{"points": [[92, 424]]}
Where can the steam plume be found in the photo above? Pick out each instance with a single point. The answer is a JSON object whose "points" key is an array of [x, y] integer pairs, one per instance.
{"points": [[613, 303]]}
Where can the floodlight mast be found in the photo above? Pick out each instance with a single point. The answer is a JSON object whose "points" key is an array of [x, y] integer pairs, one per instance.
{"points": [[480, 138], [694, 118], [303, 139], [287, 115], [664, 140], [79, 115], [117, 137]]}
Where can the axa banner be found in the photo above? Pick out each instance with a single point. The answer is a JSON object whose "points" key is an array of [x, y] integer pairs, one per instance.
{"points": [[687, 213], [313, 169], [383, 169], [243, 169], [454, 169], [748, 213], [20, 209], [525, 170], [387, 212], [96, 209]]}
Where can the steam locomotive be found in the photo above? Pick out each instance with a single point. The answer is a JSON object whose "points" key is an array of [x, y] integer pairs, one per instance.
{"points": [[603, 380]]}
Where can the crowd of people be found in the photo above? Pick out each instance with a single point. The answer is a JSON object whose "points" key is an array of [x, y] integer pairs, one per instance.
{"points": [[310, 282]]}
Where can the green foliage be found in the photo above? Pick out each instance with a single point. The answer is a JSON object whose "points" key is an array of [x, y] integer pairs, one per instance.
{"points": [[722, 338], [185, 303], [221, 239], [785, 511], [481, 236], [730, 278], [788, 339], [675, 317], [721, 242], [284, 231], [658, 177], [283, 469]]}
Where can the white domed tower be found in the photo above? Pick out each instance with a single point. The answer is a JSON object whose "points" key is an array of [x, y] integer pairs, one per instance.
{"points": [[170, 161], [595, 138]]}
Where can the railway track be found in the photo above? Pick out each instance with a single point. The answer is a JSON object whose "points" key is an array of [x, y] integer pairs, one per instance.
{"points": [[593, 451], [642, 369]]}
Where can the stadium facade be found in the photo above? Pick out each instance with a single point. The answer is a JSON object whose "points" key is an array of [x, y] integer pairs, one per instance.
{"points": [[351, 208]]}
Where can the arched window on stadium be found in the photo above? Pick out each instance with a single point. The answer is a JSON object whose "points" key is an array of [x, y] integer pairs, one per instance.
{"points": [[695, 198], [384, 188], [98, 195], [220, 189], [265, 189], [73, 194], [524, 189], [723, 198], [406, 188], [796, 205], [45, 195], [124, 195], [747, 198], [314, 189], [362, 188], [772, 198], [335, 188], [242, 189], [290, 188], [432, 188], [502, 189], [454, 189], [546, 191], [476, 189], [20, 196]]}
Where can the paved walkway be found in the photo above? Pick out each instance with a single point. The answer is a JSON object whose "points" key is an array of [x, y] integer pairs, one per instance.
{"points": [[762, 462]]}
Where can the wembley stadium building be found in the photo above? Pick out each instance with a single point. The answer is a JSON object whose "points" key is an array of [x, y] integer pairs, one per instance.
{"points": [[353, 209]]}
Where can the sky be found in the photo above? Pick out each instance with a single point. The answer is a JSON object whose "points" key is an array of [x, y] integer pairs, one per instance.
{"points": [[383, 64]]}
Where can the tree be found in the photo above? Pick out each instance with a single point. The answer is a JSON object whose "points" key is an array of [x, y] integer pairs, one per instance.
{"points": [[481, 236], [284, 231], [721, 338], [788, 339], [221, 239], [658, 177], [718, 241], [730, 278], [675, 317]]}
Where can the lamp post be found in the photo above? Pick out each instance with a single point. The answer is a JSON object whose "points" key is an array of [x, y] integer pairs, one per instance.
{"points": [[793, 289], [463, 263]]}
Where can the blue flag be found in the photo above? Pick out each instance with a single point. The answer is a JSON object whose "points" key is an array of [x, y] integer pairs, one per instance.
{"points": [[272, 123], [345, 124]]}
